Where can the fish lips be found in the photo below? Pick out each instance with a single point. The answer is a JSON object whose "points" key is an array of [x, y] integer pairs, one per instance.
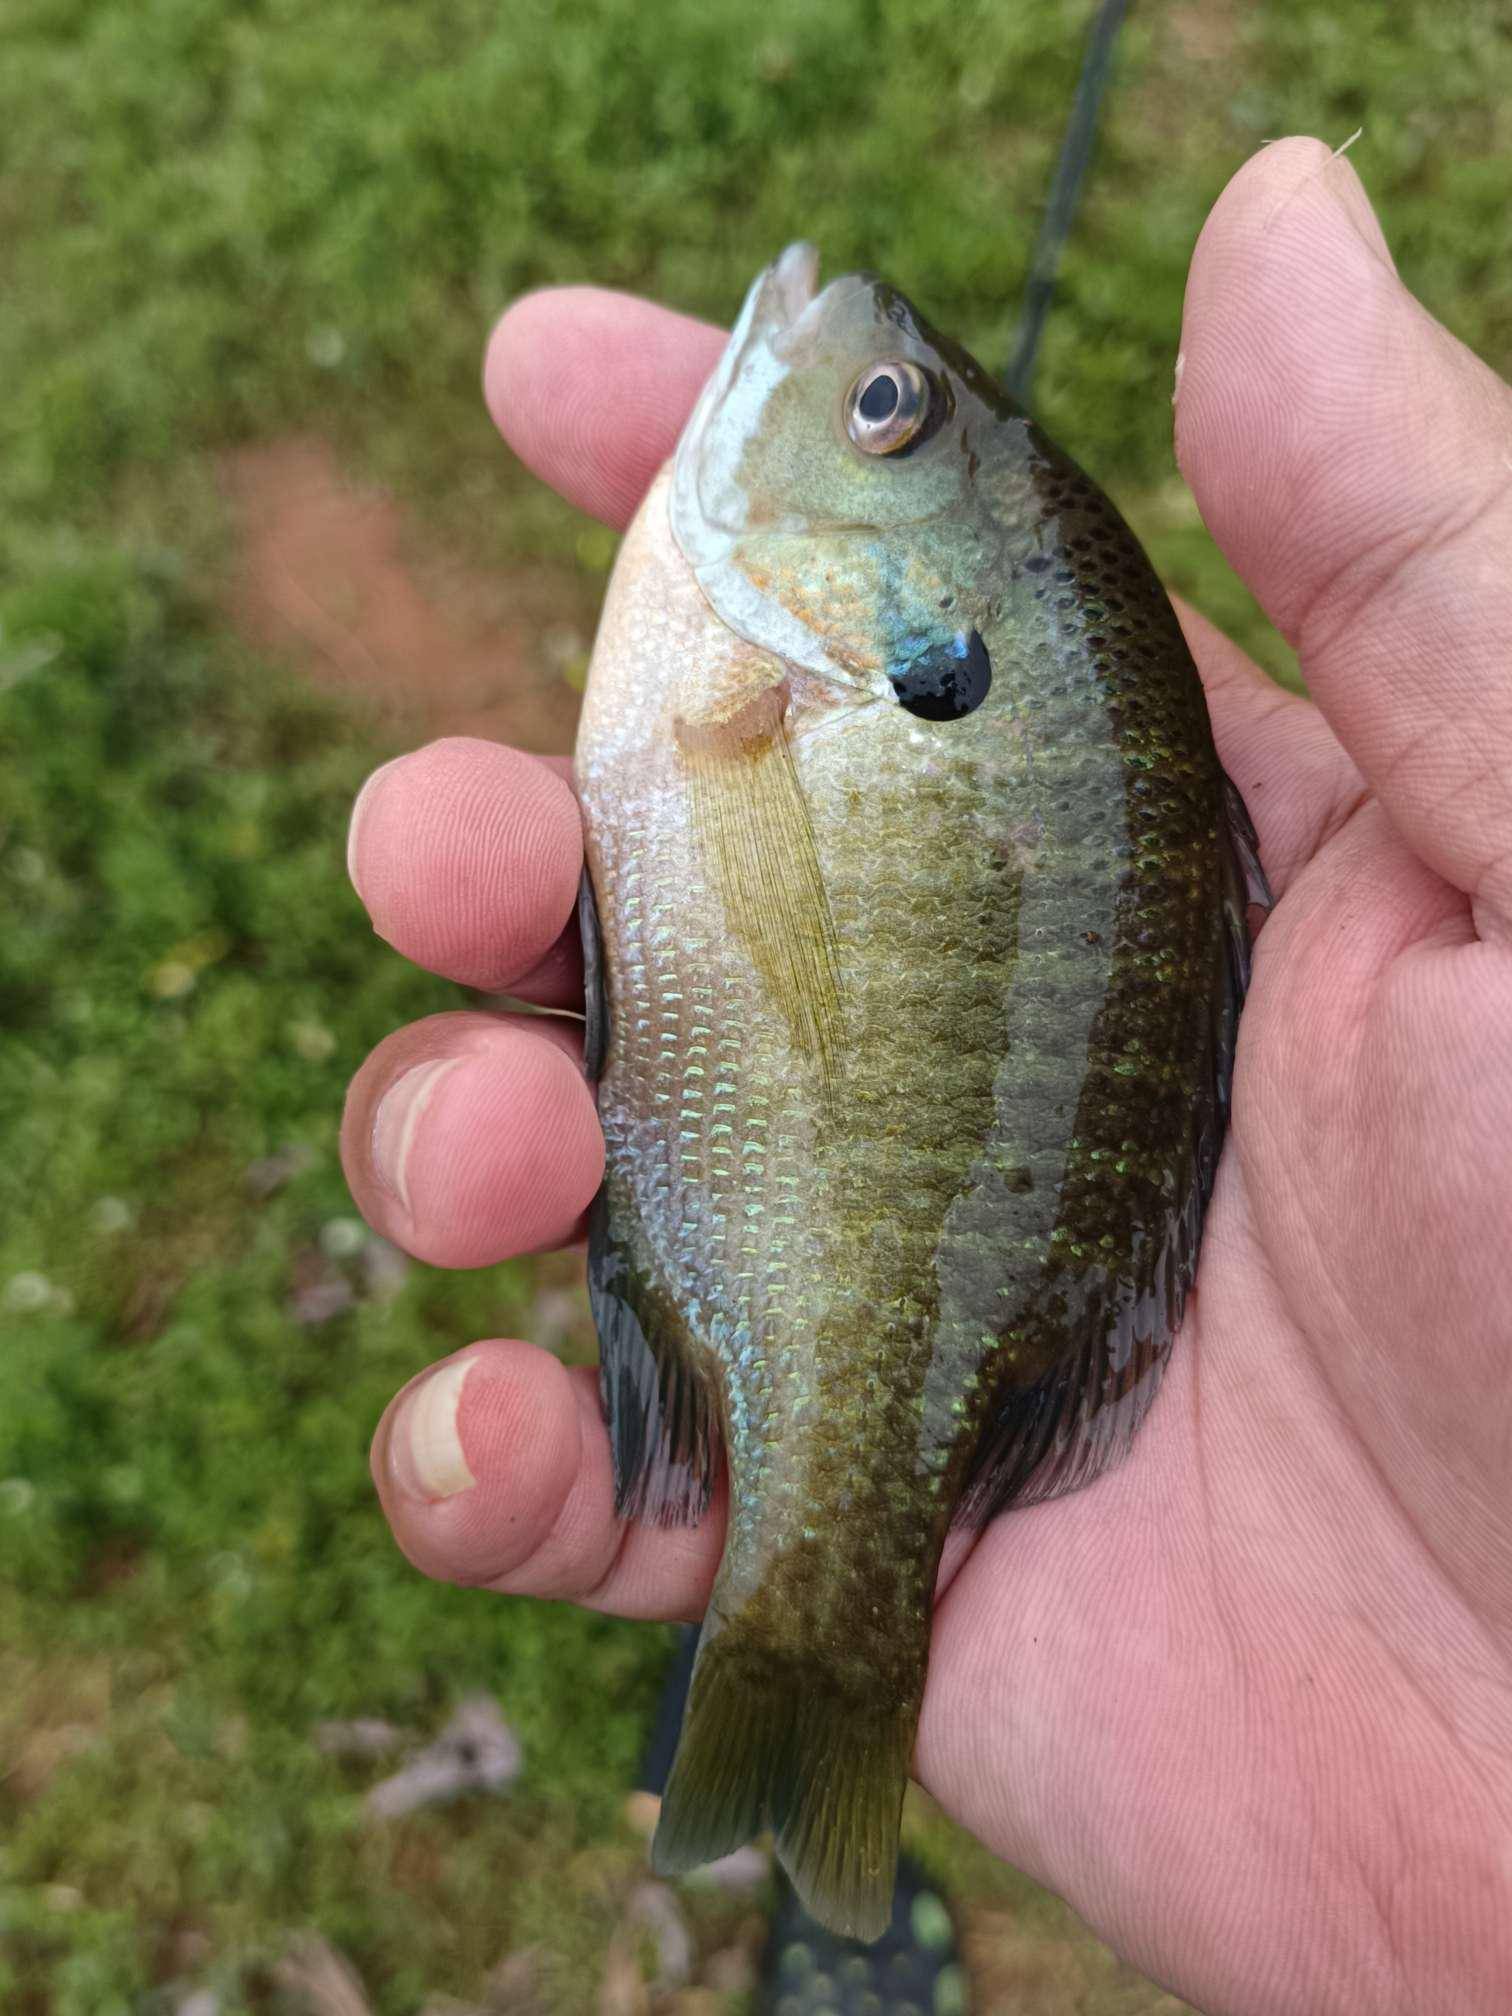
{"points": [[778, 297]]}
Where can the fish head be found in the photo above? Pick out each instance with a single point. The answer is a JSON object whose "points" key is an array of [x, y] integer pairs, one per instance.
{"points": [[839, 491]]}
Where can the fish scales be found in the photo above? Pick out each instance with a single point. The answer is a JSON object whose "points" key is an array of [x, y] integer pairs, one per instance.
{"points": [[921, 899]]}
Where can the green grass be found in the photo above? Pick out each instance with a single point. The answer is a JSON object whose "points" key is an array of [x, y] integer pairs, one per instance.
{"points": [[188, 1533], [225, 221]]}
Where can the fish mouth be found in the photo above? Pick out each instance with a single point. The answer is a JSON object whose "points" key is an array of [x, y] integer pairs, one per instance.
{"points": [[786, 304], [789, 284], [786, 309]]}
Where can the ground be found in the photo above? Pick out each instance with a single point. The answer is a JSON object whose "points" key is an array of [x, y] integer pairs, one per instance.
{"points": [[327, 574]]}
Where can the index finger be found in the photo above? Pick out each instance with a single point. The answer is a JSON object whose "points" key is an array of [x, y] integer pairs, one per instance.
{"points": [[591, 388], [468, 857]]}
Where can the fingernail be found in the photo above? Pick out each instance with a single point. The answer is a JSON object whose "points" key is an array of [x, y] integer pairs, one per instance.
{"points": [[398, 1118], [361, 806], [642, 1811], [425, 1449], [1176, 377]]}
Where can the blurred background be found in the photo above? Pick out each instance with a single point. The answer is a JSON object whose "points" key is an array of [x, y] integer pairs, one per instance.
{"points": [[256, 533]]}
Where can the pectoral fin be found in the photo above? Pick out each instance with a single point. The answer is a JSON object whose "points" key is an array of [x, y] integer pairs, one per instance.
{"points": [[752, 824]]}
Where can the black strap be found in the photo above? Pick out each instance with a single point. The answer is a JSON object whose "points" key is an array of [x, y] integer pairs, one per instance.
{"points": [[1055, 225]]}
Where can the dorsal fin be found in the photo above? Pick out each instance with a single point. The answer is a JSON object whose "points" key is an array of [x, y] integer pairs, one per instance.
{"points": [[1080, 1416]]}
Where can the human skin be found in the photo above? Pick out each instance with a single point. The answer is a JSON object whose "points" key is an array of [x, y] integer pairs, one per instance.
{"points": [[1247, 1701]]}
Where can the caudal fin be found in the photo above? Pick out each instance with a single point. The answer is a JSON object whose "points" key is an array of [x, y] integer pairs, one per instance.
{"points": [[768, 1744]]}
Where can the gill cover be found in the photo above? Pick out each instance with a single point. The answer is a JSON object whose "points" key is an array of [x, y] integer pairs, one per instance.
{"points": [[851, 565]]}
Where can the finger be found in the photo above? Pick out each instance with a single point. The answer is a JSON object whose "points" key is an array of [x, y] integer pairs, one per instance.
{"points": [[556, 981], [468, 856], [1355, 462], [1295, 779], [591, 389], [468, 1138], [494, 1468]]}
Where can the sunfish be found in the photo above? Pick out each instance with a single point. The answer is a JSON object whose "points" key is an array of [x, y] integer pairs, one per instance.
{"points": [[920, 942]]}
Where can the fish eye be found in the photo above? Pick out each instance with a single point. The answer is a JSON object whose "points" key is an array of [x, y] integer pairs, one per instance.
{"points": [[887, 406]]}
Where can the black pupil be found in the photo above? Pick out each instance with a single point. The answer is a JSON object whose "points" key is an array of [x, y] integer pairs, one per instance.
{"points": [[947, 681], [880, 399]]}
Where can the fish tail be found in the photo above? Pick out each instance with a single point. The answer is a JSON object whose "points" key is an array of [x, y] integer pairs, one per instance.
{"points": [[771, 1741]]}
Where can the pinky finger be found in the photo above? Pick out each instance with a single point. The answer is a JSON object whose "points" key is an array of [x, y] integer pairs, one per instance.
{"points": [[494, 1470]]}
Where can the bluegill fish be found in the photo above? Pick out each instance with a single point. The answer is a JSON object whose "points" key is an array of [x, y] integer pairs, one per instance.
{"points": [[920, 946]]}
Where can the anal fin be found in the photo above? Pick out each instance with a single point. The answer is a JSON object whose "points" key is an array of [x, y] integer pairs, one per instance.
{"points": [[595, 992], [657, 1392]]}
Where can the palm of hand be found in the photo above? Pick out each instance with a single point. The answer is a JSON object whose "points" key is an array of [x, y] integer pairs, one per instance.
{"points": [[1248, 1701], [1270, 1653]]}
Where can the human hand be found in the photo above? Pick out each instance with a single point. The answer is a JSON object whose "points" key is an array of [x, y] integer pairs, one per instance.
{"points": [[1246, 1701]]}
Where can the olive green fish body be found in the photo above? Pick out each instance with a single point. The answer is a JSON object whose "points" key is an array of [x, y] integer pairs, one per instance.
{"points": [[921, 897]]}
